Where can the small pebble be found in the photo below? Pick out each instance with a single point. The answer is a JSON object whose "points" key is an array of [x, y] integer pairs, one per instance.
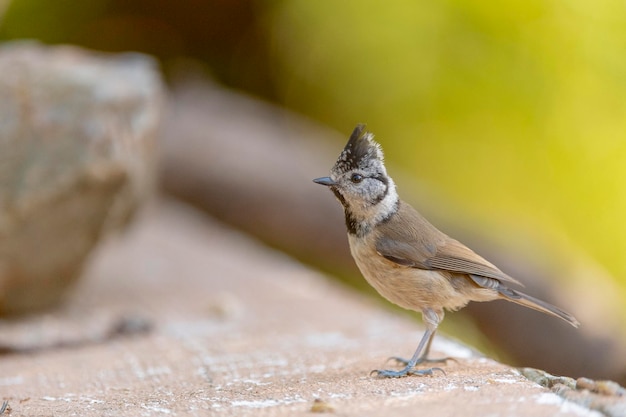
{"points": [[321, 406]]}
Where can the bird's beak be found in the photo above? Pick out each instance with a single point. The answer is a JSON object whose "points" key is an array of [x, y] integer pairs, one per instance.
{"points": [[327, 181]]}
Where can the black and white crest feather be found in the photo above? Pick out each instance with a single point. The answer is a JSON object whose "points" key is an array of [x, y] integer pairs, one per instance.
{"points": [[361, 152]]}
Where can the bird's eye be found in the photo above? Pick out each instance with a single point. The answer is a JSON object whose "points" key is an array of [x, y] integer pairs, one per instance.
{"points": [[356, 178]]}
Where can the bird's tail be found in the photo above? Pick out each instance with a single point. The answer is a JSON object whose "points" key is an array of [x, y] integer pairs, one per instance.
{"points": [[523, 299], [536, 304]]}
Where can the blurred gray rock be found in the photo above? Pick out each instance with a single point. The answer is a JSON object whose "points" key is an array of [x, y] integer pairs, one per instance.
{"points": [[77, 157]]}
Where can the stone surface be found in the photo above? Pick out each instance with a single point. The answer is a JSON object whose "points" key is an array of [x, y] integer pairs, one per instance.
{"points": [[77, 156], [216, 324]]}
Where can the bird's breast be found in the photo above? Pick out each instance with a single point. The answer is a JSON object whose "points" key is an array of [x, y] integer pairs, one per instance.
{"points": [[410, 288]]}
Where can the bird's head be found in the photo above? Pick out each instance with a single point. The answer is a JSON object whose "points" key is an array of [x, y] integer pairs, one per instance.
{"points": [[359, 180]]}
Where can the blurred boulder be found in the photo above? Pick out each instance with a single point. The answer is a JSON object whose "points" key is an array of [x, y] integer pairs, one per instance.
{"points": [[77, 157]]}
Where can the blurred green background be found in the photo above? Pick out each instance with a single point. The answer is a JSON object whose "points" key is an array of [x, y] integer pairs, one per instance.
{"points": [[514, 111]]}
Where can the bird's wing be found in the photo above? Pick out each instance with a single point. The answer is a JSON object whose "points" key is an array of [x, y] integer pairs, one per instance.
{"points": [[455, 256], [425, 247]]}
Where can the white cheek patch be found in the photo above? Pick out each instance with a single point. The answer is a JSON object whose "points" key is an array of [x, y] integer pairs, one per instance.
{"points": [[387, 205], [371, 214]]}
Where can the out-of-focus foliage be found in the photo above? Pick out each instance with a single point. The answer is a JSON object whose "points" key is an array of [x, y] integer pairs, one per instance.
{"points": [[517, 108], [3, 5], [223, 34]]}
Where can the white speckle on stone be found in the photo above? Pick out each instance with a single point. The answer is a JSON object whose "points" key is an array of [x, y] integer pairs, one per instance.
{"points": [[470, 388], [450, 387], [265, 403], [66, 399], [12, 380], [317, 369], [565, 406], [399, 398], [158, 370], [506, 380], [254, 382], [255, 404], [156, 409], [419, 389], [341, 396], [92, 400]]}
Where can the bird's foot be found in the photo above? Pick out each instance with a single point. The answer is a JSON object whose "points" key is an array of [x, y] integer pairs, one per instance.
{"points": [[408, 371], [406, 362]]}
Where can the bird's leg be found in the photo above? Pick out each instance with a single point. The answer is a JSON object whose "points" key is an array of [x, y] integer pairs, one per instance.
{"points": [[424, 356], [410, 364], [432, 320]]}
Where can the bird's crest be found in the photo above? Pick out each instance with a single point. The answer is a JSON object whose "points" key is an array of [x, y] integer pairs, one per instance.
{"points": [[361, 152]]}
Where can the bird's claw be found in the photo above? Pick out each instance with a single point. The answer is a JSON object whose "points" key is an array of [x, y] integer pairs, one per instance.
{"points": [[388, 373]]}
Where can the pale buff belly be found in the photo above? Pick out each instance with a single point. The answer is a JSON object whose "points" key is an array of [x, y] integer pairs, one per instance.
{"points": [[413, 288]]}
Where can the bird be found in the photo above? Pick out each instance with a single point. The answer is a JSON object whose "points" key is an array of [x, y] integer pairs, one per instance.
{"points": [[405, 258]]}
